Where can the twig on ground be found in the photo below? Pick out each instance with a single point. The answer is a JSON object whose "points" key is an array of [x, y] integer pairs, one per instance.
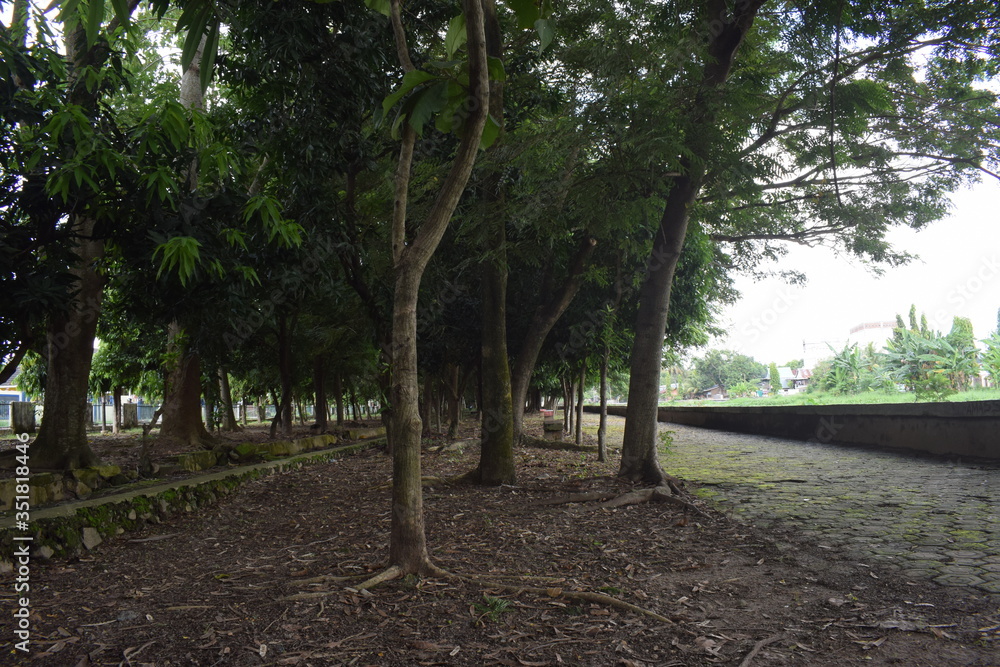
{"points": [[757, 647]]}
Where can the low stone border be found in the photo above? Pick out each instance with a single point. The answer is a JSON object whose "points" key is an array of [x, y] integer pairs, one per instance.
{"points": [[66, 530], [47, 488]]}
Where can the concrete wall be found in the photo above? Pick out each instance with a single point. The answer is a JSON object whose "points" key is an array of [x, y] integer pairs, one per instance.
{"points": [[965, 429]]}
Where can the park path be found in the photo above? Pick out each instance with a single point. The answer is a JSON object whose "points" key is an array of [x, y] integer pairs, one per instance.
{"points": [[931, 518]]}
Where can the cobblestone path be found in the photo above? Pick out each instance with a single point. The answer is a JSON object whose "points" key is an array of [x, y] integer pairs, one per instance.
{"points": [[929, 517]]}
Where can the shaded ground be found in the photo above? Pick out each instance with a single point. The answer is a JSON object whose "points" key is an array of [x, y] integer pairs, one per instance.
{"points": [[217, 588]]}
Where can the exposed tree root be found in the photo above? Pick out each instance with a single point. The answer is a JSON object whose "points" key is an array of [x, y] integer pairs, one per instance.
{"points": [[610, 500], [580, 596], [541, 443], [431, 570], [575, 498], [388, 574], [327, 578]]}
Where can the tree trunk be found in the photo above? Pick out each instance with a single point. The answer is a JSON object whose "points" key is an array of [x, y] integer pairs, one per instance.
{"points": [[579, 404], [319, 390], [570, 407], [639, 462], [182, 392], [22, 417], [407, 541], [602, 429], [455, 387], [283, 415], [116, 423], [566, 408], [545, 317], [425, 405], [62, 436], [229, 422], [338, 390], [496, 460]]}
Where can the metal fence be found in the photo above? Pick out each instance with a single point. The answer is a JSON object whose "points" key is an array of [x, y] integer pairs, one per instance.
{"points": [[4, 415], [146, 413]]}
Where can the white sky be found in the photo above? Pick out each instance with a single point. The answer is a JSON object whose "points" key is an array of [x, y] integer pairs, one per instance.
{"points": [[957, 273]]}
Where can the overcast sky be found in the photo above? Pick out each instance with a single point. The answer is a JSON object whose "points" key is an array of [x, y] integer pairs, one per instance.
{"points": [[957, 273]]}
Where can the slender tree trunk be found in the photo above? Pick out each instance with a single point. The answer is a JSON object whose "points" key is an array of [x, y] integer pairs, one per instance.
{"points": [[338, 390], [496, 461], [284, 413], [566, 407], [639, 462], [229, 422], [544, 318], [116, 425], [579, 404], [425, 405], [319, 389], [602, 429], [407, 541]]}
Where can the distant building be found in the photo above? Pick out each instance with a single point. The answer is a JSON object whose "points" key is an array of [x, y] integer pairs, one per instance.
{"points": [[715, 392], [9, 393], [873, 333], [792, 380]]}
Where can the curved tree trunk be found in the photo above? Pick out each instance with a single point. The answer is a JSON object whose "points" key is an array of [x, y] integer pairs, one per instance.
{"points": [[639, 462], [545, 317]]}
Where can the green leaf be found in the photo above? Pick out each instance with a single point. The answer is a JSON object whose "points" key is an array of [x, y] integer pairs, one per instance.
{"points": [[410, 81], [121, 9], [95, 16], [456, 35], [381, 6], [180, 254], [545, 33], [495, 68], [425, 103], [445, 121], [490, 133], [196, 18], [209, 54], [526, 11]]}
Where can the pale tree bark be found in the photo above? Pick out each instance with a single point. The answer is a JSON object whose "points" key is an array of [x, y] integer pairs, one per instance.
{"points": [[639, 462], [229, 422], [578, 439], [407, 542]]}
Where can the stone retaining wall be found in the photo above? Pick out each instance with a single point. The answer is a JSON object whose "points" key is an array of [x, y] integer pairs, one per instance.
{"points": [[970, 428]]}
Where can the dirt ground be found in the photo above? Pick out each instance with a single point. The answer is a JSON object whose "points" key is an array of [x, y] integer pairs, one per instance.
{"points": [[242, 583]]}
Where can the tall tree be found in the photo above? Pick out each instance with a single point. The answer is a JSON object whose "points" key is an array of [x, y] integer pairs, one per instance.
{"points": [[407, 543]]}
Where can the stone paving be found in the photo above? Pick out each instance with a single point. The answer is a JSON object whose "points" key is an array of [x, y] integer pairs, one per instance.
{"points": [[928, 517]]}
